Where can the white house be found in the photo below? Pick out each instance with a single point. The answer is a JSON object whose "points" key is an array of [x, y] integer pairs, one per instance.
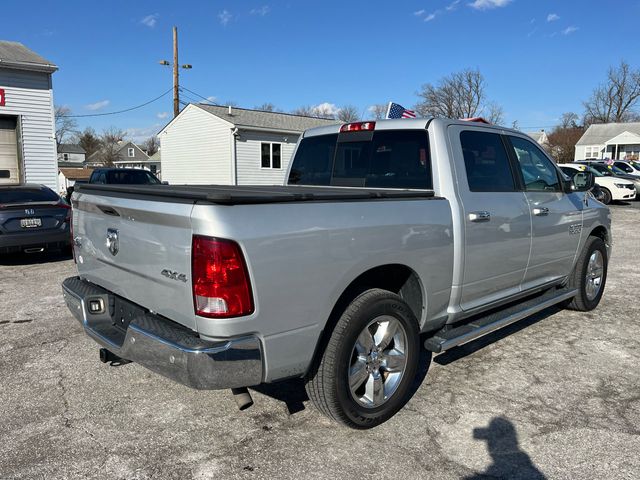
{"points": [[70, 155], [27, 127], [207, 144], [540, 136], [617, 141]]}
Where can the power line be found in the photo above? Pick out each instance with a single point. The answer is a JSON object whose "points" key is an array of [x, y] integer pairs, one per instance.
{"points": [[198, 95], [119, 111]]}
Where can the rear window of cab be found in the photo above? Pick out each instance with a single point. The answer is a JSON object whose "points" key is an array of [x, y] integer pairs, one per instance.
{"points": [[384, 159]]}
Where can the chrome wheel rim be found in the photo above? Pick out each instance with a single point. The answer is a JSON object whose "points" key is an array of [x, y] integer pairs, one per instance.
{"points": [[595, 272], [378, 362]]}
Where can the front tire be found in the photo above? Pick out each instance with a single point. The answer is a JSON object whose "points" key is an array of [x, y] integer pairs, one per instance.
{"points": [[589, 275], [606, 196], [367, 370]]}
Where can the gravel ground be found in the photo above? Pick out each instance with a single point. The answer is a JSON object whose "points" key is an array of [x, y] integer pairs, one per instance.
{"points": [[556, 396]]}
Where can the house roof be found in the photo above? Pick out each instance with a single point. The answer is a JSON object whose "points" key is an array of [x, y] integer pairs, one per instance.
{"points": [[76, 173], [245, 118], [537, 135], [16, 55], [599, 134], [70, 148]]}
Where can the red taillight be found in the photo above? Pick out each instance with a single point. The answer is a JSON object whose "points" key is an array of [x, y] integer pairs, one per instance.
{"points": [[220, 279], [358, 127]]}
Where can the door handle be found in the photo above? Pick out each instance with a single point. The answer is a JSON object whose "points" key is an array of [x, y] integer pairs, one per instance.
{"points": [[541, 211], [482, 216]]}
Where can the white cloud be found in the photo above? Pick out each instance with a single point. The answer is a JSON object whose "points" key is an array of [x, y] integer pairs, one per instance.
{"points": [[488, 4], [327, 108], [97, 106], [262, 11], [430, 17], [211, 98], [225, 17], [552, 17], [162, 115], [452, 6], [419, 13], [139, 135], [569, 30], [150, 20]]}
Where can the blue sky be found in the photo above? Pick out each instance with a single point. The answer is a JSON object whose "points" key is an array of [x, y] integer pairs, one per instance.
{"points": [[539, 58]]}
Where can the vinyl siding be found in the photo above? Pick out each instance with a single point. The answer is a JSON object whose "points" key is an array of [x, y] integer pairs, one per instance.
{"points": [[196, 149], [249, 157], [29, 96]]}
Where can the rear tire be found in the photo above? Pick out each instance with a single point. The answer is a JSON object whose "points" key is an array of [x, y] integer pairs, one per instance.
{"points": [[589, 275], [606, 199], [367, 370]]}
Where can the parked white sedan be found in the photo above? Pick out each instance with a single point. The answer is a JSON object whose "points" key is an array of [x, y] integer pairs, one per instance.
{"points": [[614, 188]]}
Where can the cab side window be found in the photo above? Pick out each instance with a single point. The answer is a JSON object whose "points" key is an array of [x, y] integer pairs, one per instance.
{"points": [[486, 162], [538, 172]]}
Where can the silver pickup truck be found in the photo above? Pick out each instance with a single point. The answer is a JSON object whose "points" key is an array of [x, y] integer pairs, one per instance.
{"points": [[390, 239]]}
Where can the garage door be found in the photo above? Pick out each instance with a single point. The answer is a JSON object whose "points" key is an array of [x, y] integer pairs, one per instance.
{"points": [[9, 172]]}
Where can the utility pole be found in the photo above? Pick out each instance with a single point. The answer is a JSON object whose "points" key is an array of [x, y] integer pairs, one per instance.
{"points": [[176, 75]]}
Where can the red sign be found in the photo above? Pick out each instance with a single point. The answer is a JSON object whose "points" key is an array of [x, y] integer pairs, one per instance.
{"points": [[2, 97]]}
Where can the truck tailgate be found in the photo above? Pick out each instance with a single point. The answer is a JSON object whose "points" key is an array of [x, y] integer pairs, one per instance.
{"points": [[138, 249]]}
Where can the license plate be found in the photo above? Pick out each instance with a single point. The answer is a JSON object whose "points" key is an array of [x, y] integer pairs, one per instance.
{"points": [[30, 222]]}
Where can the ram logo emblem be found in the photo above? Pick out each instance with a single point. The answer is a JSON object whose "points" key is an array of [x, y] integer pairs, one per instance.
{"points": [[113, 244]]}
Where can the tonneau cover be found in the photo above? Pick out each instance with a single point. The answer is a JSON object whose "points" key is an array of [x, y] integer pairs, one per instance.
{"points": [[250, 194]]}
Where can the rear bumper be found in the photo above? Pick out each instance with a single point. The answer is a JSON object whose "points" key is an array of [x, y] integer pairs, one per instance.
{"points": [[12, 242], [161, 345]]}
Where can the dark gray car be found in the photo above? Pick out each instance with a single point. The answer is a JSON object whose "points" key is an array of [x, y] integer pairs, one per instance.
{"points": [[33, 218]]}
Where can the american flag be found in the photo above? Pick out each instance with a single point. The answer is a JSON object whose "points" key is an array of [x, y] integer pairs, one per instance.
{"points": [[398, 111]]}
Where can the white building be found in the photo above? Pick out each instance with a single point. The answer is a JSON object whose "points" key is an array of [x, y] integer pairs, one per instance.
{"points": [[540, 136], [617, 141], [27, 127], [71, 154], [208, 144]]}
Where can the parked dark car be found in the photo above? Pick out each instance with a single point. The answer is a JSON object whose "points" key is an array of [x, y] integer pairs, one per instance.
{"points": [[33, 218], [124, 176]]}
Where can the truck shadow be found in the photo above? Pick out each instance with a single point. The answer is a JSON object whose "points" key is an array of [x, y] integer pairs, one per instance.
{"points": [[509, 461], [294, 395], [462, 351], [17, 259]]}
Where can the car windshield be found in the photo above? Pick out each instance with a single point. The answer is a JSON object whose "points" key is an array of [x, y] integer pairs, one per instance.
{"points": [[27, 195], [604, 170], [132, 177]]}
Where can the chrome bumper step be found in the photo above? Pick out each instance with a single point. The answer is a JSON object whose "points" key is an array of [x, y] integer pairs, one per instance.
{"points": [[446, 339]]}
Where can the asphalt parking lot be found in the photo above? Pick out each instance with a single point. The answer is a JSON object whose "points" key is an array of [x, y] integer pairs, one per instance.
{"points": [[555, 396]]}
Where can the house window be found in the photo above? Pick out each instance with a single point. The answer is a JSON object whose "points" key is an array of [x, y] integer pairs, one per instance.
{"points": [[131, 152], [592, 152], [154, 168], [270, 155], [65, 156]]}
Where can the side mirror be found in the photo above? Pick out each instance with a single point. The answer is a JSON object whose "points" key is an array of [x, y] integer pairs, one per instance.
{"points": [[165, 183], [582, 182]]}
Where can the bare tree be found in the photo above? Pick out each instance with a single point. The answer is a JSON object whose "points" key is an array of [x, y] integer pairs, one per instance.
{"points": [[267, 107], [459, 95], [378, 110], [348, 113], [615, 100], [493, 113], [88, 140], [569, 120], [110, 145], [319, 111], [65, 125], [151, 145]]}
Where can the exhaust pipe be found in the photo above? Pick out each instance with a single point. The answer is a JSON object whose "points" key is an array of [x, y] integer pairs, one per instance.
{"points": [[242, 397], [34, 250]]}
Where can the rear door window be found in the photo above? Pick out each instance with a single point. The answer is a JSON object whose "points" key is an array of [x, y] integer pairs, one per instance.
{"points": [[486, 162], [390, 159]]}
